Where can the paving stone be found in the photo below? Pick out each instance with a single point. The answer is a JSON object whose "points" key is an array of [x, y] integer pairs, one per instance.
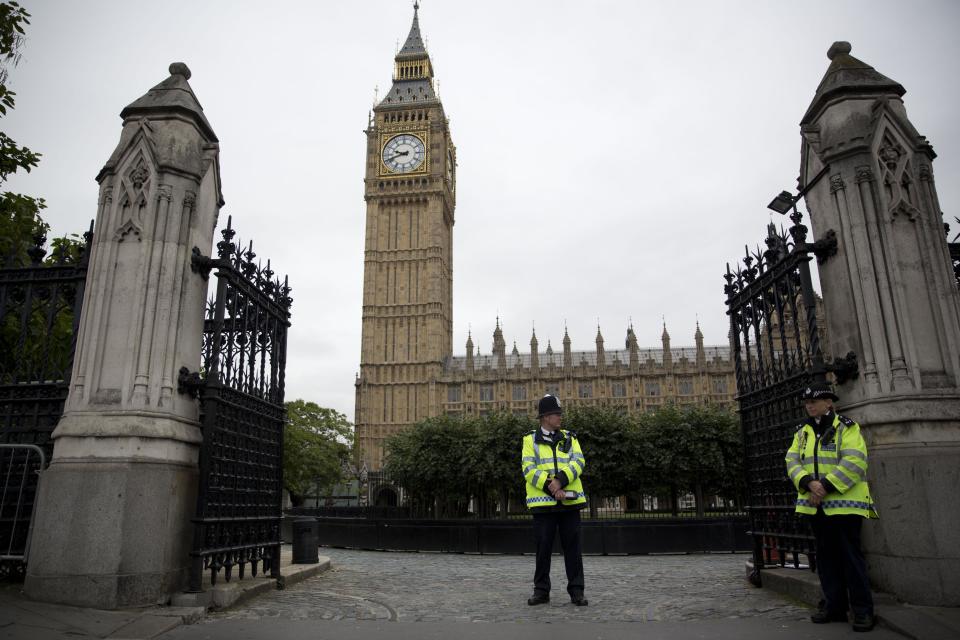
{"points": [[427, 587]]}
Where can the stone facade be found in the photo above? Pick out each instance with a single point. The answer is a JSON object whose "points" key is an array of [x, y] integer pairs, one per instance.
{"points": [[891, 298], [633, 379], [407, 368], [410, 188], [112, 527]]}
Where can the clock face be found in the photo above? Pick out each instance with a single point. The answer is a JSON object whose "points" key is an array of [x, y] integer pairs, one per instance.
{"points": [[403, 153]]}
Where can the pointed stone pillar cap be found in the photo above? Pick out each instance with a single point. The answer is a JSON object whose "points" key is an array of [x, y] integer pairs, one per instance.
{"points": [[180, 69], [173, 95], [847, 75]]}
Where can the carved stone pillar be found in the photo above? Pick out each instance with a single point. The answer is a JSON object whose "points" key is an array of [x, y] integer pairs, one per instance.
{"points": [[113, 527], [891, 298]]}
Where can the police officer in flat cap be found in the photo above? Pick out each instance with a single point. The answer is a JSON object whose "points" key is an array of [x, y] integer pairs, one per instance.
{"points": [[552, 464], [827, 463]]}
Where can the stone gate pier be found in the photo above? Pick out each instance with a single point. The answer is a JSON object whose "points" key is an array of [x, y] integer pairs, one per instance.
{"points": [[113, 526], [891, 298]]}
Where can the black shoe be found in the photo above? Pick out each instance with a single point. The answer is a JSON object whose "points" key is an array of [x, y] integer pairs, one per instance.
{"points": [[823, 616], [538, 598], [579, 600], [863, 621]]}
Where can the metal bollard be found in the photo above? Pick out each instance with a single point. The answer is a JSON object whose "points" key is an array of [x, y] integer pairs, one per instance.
{"points": [[305, 543]]}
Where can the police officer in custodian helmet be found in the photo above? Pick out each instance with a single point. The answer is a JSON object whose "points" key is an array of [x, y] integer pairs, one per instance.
{"points": [[552, 464]]}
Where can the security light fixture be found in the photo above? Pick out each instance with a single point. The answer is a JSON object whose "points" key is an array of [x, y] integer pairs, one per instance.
{"points": [[782, 203]]}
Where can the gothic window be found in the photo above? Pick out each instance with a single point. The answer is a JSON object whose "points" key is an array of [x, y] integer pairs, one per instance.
{"points": [[618, 389], [585, 390], [685, 386], [519, 392], [653, 388], [486, 393], [719, 385], [454, 393], [553, 390]]}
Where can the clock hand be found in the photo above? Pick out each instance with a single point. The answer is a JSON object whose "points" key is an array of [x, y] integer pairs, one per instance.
{"points": [[398, 154]]}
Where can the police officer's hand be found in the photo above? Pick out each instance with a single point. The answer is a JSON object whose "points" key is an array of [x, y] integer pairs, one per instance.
{"points": [[553, 486], [816, 488], [559, 495]]}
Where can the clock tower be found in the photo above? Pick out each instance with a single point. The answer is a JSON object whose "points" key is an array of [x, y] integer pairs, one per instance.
{"points": [[409, 188]]}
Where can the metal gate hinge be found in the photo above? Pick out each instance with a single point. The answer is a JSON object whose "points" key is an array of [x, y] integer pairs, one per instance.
{"points": [[826, 247], [845, 368], [201, 264], [190, 383]]}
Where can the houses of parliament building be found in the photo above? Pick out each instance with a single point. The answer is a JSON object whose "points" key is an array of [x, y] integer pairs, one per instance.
{"points": [[408, 371]]}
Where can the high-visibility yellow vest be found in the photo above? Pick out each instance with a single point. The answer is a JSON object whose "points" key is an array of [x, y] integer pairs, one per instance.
{"points": [[542, 462], [839, 456]]}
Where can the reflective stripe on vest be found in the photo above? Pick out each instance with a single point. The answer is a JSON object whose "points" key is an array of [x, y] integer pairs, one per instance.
{"points": [[540, 499]]}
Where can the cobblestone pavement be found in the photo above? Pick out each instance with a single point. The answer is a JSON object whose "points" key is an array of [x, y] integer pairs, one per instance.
{"points": [[428, 587]]}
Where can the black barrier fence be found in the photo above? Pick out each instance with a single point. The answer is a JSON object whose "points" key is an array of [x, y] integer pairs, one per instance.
{"points": [[606, 509], [600, 537]]}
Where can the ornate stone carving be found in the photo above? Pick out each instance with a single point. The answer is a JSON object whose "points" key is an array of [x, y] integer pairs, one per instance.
{"points": [[926, 173], [106, 196], [126, 229], [864, 174], [139, 175], [836, 183], [189, 200], [890, 156], [894, 165], [904, 208], [164, 192]]}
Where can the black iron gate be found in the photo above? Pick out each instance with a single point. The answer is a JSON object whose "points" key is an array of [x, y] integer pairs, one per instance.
{"points": [[240, 387], [777, 351], [40, 303]]}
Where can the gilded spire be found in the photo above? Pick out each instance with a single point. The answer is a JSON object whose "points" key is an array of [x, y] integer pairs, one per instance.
{"points": [[413, 47]]}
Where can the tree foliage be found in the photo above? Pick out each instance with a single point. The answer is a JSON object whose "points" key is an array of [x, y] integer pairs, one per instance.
{"points": [[316, 447], [445, 461], [20, 218]]}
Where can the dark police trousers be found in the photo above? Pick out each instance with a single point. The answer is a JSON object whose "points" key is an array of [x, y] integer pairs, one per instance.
{"points": [[840, 563], [545, 527]]}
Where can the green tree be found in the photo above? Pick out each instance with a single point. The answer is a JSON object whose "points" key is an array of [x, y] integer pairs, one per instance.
{"points": [[430, 461], [694, 448], [612, 446], [493, 459], [316, 445], [19, 214]]}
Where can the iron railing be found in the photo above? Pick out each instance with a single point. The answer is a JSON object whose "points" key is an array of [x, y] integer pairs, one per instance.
{"points": [[777, 351], [240, 387], [386, 498], [40, 303]]}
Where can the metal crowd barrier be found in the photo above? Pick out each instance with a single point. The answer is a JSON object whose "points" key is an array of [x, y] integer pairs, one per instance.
{"points": [[20, 468]]}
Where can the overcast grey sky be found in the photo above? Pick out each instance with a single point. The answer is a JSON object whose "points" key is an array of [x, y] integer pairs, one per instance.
{"points": [[613, 156]]}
